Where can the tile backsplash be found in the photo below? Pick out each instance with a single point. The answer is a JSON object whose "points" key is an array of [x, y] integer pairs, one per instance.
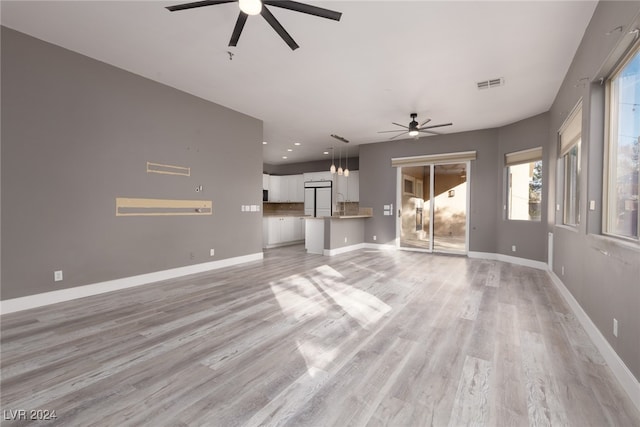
{"points": [[282, 208]]}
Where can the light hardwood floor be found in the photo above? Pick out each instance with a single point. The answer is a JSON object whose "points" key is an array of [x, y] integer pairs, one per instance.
{"points": [[377, 338]]}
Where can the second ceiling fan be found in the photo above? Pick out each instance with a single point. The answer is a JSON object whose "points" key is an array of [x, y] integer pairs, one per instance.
{"points": [[255, 7], [414, 129]]}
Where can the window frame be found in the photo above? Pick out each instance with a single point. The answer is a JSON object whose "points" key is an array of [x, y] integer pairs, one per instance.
{"points": [[566, 162], [570, 137], [610, 135], [516, 158]]}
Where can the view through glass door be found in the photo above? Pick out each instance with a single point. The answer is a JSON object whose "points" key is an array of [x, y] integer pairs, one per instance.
{"points": [[433, 207]]}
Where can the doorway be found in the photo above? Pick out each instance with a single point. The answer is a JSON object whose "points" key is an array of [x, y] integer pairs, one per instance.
{"points": [[433, 202]]}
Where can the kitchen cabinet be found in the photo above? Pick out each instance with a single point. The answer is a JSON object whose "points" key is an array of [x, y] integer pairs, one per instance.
{"points": [[286, 188], [317, 176], [274, 188], [278, 230], [265, 181], [349, 187], [295, 185]]}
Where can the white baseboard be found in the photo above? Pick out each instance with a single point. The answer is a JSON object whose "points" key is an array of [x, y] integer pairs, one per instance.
{"points": [[539, 265], [624, 376], [380, 246], [53, 297], [338, 251]]}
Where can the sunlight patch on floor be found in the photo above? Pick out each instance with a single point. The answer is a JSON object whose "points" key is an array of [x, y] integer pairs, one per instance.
{"points": [[324, 293], [363, 307]]}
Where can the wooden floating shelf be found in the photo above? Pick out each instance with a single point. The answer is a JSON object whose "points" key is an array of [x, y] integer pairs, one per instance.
{"points": [[161, 207], [168, 169]]}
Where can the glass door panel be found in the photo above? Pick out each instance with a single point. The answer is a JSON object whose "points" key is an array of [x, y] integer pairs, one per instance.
{"points": [[415, 203], [450, 208]]}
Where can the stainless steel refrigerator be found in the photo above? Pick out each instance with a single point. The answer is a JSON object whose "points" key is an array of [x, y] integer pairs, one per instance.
{"points": [[317, 198]]}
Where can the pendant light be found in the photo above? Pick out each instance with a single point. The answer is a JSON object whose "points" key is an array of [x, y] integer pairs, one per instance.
{"points": [[332, 169], [346, 168], [340, 171]]}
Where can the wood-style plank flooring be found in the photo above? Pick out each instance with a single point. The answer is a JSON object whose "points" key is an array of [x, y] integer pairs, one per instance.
{"points": [[378, 338]]}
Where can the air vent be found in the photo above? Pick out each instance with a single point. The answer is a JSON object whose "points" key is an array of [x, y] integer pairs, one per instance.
{"points": [[488, 84]]}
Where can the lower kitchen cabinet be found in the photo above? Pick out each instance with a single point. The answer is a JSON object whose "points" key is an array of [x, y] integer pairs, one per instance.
{"points": [[281, 230]]}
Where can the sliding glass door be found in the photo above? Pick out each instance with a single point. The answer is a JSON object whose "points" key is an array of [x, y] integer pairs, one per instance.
{"points": [[433, 201]]}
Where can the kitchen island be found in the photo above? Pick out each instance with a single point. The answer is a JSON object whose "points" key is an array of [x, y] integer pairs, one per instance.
{"points": [[332, 235]]}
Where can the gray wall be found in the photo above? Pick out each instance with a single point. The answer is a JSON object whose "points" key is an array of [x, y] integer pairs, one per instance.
{"points": [[378, 183], [601, 273], [489, 231], [76, 134], [529, 237]]}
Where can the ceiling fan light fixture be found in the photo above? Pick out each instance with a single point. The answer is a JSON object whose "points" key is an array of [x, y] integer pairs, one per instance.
{"points": [[251, 7], [413, 132]]}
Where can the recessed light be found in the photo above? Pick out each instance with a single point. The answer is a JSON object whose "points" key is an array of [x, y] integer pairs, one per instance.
{"points": [[296, 143], [326, 152], [264, 142], [284, 157], [289, 149]]}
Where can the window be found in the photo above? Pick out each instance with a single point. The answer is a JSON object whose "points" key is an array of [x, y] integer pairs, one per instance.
{"points": [[622, 180], [524, 184], [570, 138], [571, 162]]}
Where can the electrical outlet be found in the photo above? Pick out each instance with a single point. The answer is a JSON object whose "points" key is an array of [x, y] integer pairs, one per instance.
{"points": [[57, 276], [513, 248], [615, 327], [592, 205], [563, 270], [345, 240], [212, 252], [375, 238]]}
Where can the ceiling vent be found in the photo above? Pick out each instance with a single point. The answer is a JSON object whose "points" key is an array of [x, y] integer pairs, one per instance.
{"points": [[488, 84]]}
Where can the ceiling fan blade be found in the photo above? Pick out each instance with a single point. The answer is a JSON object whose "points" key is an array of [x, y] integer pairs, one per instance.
{"points": [[237, 30], [275, 24], [197, 4], [394, 137], [398, 124], [389, 131], [424, 123], [429, 131], [435, 126], [306, 8]]}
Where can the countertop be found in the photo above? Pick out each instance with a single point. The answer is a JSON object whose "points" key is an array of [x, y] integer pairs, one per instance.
{"points": [[340, 217]]}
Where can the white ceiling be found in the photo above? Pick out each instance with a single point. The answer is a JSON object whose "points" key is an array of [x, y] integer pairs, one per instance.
{"points": [[382, 61]]}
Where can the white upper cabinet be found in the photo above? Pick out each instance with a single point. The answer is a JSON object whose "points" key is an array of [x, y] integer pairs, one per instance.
{"points": [[353, 185], [274, 188], [348, 187], [317, 176], [296, 188], [265, 181], [287, 188]]}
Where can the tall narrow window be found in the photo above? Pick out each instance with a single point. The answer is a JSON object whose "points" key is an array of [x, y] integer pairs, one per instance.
{"points": [[524, 184], [621, 216], [570, 138], [571, 162]]}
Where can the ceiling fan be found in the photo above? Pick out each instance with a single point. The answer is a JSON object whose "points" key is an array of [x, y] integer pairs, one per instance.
{"points": [[414, 129], [255, 7]]}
